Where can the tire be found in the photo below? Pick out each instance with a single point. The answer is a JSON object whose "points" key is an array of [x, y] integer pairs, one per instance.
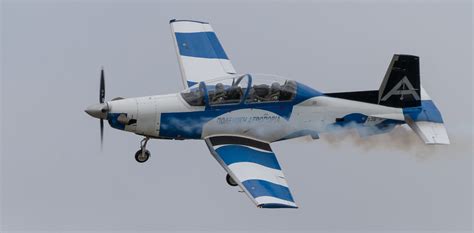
{"points": [[141, 159], [230, 181]]}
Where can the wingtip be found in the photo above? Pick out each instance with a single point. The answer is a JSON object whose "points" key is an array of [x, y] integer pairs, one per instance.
{"points": [[276, 206], [407, 56], [187, 20]]}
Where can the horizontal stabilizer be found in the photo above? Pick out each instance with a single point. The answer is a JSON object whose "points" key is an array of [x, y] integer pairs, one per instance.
{"points": [[429, 132]]}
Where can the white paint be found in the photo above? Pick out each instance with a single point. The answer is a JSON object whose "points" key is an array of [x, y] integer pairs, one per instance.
{"points": [[273, 200], [253, 123], [189, 26], [392, 116], [250, 171], [424, 94], [319, 112], [200, 69], [253, 148], [430, 132], [147, 116]]}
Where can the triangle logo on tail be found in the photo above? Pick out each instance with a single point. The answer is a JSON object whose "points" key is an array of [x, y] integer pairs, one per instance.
{"points": [[404, 87]]}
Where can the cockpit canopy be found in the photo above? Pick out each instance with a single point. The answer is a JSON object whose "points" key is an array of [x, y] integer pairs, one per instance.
{"points": [[235, 89]]}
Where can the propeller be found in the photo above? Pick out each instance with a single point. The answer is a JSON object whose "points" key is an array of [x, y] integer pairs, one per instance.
{"points": [[101, 109], [101, 100]]}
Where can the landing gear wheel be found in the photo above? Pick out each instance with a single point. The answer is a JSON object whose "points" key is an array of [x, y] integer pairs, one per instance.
{"points": [[230, 181], [143, 154], [142, 157]]}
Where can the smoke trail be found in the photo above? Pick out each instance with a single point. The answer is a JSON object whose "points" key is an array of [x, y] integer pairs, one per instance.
{"points": [[401, 138]]}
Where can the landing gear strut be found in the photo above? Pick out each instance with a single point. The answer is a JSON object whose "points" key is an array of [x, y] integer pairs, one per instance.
{"points": [[143, 154]]}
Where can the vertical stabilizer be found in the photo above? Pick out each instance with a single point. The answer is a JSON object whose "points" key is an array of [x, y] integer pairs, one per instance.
{"points": [[401, 85]]}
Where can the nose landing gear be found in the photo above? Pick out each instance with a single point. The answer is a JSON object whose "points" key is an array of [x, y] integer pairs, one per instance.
{"points": [[143, 154]]}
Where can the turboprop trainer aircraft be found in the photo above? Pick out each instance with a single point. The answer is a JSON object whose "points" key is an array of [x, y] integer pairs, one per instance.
{"points": [[239, 115]]}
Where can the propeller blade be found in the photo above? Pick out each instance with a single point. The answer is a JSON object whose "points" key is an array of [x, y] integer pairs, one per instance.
{"points": [[102, 87], [101, 133], [101, 100]]}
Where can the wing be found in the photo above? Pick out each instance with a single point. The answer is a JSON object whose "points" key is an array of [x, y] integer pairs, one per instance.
{"points": [[254, 167], [200, 54]]}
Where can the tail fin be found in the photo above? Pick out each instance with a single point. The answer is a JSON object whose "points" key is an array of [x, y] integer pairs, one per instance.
{"points": [[401, 88], [401, 85]]}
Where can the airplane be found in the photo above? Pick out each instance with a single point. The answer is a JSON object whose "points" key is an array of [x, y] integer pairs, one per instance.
{"points": [[239, 115]]}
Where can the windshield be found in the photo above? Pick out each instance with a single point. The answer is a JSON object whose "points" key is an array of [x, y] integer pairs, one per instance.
{"points": [[194, 96]]}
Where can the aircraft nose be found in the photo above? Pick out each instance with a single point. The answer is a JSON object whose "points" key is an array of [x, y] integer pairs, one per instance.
{"points": [[97, 111]]}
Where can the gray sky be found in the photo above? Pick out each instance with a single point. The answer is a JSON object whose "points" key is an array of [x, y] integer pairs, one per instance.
{"points": [[54, 177]]}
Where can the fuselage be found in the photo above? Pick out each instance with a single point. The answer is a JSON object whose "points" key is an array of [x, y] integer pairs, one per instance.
{"points": [[309, 112]]}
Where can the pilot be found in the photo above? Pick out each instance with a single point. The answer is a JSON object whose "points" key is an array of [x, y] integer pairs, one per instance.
{"points": [[288, 90], [234, 93], [274, 92], [258, 93], [219, 95]]}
